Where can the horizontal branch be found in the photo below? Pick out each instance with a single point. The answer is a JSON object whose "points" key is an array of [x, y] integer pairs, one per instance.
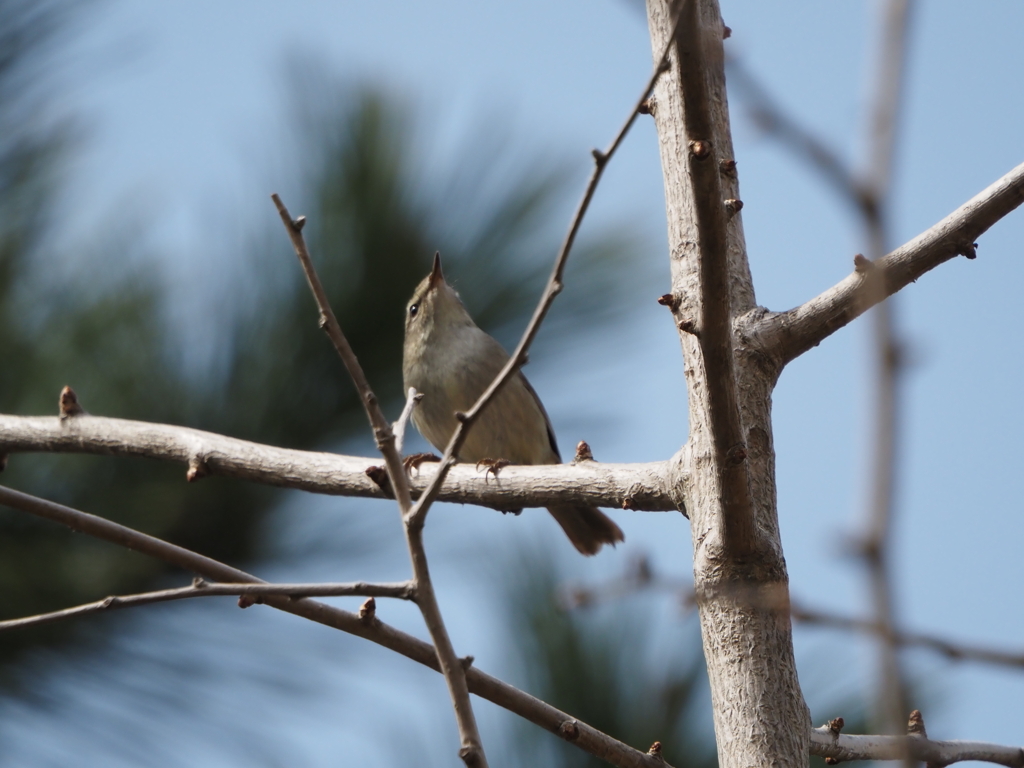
{"points": [[953, 651], [786, 335], [840, 747], [630, 486], [641, 577], [403, 590], [370, 628]]}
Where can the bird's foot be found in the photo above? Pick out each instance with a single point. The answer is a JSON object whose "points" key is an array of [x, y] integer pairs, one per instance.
{"points": [[494, 466], [413, 460]]}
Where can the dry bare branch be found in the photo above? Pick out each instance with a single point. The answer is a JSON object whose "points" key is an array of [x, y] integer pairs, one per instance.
{"points": [[504, 695], [404, 590], [876, 543], [411, 401], [640, 576], [641, 487], [714, 326], [951, 650], [731, 500], [381, 428], [784, 336], [775, 121], [840, 747], [551, 290], [471, 750]]}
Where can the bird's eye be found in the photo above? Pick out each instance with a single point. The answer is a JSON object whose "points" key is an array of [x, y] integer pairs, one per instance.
{"points": [[413, 309]]}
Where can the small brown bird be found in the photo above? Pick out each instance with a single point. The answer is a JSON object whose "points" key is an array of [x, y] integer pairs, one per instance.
{"points": [[451, 361]]}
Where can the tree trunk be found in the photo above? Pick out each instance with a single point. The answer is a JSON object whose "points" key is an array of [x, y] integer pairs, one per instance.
{"points": [[739, 571]]}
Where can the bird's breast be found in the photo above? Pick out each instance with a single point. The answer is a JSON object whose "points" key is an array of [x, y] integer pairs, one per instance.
{"points": [[452, 377]]}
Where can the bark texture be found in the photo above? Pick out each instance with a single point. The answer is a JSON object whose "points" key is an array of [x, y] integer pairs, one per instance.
{"points": [[739, 570], [637, 487]]}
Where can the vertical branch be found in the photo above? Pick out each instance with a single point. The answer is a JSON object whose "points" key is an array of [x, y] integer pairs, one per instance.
{"points": [[740, 578], [892, 706], [382, 433], [713, 315], [714, 328], [471, 751], [868, 195]]}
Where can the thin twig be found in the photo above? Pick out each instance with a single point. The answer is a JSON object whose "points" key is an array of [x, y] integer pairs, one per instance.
{"points": [[416, 517], [588, 738], [883, 119], [840, 747], [641, 577], [876, 544], [381, 429], [471, 751], [411, 401], [402, 590], [775, 121], [552, 289], [949, 649]]}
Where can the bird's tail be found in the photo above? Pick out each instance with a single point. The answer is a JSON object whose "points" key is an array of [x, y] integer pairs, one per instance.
{"points": [[587, 527]]}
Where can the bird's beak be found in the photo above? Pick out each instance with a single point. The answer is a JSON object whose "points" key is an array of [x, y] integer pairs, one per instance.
{"points": [[436, 276]]}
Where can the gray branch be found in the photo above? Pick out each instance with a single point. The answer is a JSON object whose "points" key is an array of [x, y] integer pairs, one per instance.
{"points": [[642, 487], [827, 743], [404, 590], [368, 626], [954, 651], [786, 335], [472, 750]]}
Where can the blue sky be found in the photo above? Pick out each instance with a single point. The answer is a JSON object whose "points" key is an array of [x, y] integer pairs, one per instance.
{"points": [[186, 108]]}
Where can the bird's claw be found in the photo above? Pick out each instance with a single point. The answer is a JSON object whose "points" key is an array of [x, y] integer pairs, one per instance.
{"points": [[413, 460], [494, 466]]}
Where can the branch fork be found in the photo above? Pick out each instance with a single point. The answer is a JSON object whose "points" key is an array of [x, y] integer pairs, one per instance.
{"points": [[783, 335]]}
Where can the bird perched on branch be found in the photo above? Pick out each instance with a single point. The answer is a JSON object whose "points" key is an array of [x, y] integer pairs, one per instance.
{"points": [[452, 361]]}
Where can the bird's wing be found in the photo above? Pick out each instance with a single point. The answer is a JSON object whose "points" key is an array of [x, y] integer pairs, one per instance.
{"points": [[547, 420]]}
